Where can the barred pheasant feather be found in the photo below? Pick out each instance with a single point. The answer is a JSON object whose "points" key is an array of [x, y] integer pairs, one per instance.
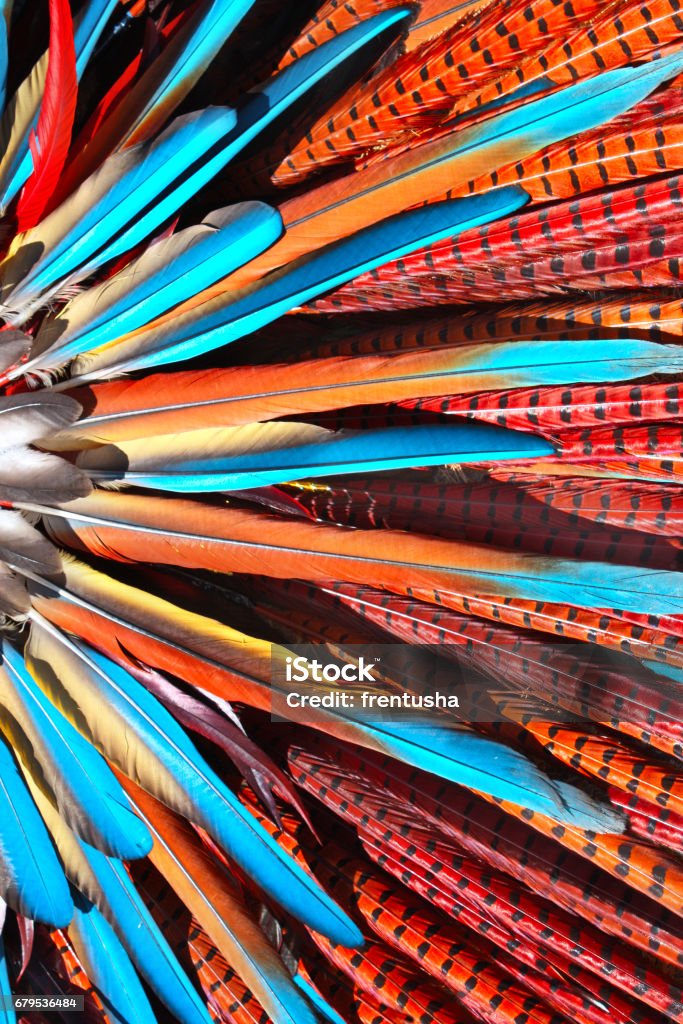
{"points": [[327, 329]]}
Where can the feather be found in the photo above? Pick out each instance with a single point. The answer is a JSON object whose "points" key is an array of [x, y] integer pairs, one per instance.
{"points": [[107, 964], [23, 547], [259, 771], [4, 52], [204, 887], [226, 319], [71, 773], [242, 541], [14, 600], [28, 474], [111, 615], [74, 175], [7, 1014], [170, 78], [50, 142], [242, 457], [649, 821], [550, 410], [32, 880], [527, 251], [14, 346], [27, 928], [150, 747], [623, 33], [330, 20], [105, 882], [412, 92], [118, 412], [651, 508], [225, 993], [314, 996], [166, 273], [32, 417]]}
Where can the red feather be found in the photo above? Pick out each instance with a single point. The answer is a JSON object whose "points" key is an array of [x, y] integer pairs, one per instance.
{"points": [[51, 140]]}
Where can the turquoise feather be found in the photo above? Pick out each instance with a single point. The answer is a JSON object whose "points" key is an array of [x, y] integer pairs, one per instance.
{"points": [[169, 272], [33, 880], [194, 333], [107, 964], [370, 451], [461, 756], [111, 889], [90, 799], [7, 1014], [327, 1012], [114, 197], [210, 29]]}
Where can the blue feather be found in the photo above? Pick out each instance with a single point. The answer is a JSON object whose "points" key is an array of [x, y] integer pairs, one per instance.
{"points": [[89, 797], [196, 332], [369, 451], [4, 55], [107, 964], [88, 28], [7, 1014], [459, 755], [168, 273], [33, 881], [114, 894], [206, 799], [322, 1006], [209, 30]]}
